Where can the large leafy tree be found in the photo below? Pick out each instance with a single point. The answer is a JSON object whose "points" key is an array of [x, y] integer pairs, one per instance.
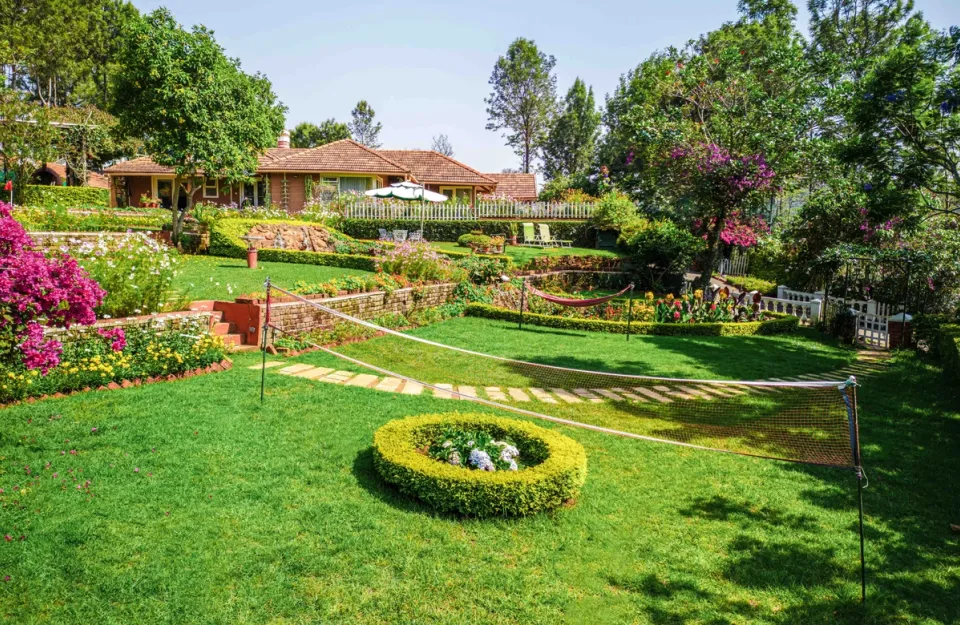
{"points": [[744, 90], [906, 116], [363, 127], [308, 135], [523, 99], [196, 111], [572, 139]]}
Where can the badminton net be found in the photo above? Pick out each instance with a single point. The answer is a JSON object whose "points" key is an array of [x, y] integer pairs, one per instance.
{"points": [[811, 421]]}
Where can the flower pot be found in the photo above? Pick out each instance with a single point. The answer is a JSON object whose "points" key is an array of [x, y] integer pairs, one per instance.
{"points": [[513, 239]]}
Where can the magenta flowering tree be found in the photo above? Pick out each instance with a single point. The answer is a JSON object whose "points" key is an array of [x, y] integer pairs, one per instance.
{"points": [[38, 292], [723, 191]]}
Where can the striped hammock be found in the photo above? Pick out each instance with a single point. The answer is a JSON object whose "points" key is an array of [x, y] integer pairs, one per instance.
{"points": [[578, 303]]}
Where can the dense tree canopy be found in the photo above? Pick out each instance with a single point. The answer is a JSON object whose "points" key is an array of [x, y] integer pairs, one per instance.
{"points": [[195, 109], [572, 139], [308, 135]]}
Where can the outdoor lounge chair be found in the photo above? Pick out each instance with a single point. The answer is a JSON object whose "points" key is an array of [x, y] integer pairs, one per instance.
{"points": [[384, 235], [530, 238], [548, 239], [416, 236]]}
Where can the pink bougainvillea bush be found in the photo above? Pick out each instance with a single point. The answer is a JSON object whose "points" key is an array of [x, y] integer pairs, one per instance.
{"points": [[37, 291]]}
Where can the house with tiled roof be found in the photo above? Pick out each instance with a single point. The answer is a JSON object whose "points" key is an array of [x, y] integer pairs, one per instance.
{"points": [[519, 187], [290, 177]]}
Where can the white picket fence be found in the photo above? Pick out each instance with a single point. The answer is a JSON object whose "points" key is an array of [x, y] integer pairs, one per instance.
{"points": [[462, 212], [737, 265]]}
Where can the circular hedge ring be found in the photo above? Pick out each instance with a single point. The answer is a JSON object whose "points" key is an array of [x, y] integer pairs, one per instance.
{"points": [[557, 466]]}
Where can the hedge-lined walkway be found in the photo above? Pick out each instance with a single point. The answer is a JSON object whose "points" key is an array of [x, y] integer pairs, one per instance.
{"points": [[868, 362]]}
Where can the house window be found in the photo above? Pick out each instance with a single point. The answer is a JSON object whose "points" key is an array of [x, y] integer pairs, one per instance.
{"points": [[253, 194], [459, 194], [352, 184], [210, 188]]}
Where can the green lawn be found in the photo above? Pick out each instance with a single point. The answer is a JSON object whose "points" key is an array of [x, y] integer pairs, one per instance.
{"points": [[215, 277], [522, 254], [204, 506]]}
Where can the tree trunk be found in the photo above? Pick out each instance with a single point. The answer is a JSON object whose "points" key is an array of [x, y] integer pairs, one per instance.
{"points": [[711, 254]]}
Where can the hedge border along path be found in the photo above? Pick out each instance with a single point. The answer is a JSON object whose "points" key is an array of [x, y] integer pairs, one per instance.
{"points": [[780, 324], [554, 481]]}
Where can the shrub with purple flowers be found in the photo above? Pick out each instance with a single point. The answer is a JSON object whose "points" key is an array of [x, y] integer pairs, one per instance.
{"points": [[418, 261], [37, 291]]}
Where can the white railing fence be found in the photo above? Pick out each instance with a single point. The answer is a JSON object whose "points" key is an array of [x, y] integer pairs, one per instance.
{"points": [[736, 265], [463, 212], [873, 330], [870, 307], [807, 311]]}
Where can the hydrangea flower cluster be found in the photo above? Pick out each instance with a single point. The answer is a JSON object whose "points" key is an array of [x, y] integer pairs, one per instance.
{"points": [[37, 291], [481, 451]]}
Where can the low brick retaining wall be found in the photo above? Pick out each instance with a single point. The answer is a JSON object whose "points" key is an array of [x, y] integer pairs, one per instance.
{"points": [[298, 316], [57, 241], [161, 321]]}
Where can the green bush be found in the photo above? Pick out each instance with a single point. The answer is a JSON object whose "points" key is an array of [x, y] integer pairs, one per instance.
{"points": [[473, 240], [659, 250], [557, 476], [576, 231], [225, 241], [614, 211], [50, 196], [949, 348], [751, 283], [780, 324]]}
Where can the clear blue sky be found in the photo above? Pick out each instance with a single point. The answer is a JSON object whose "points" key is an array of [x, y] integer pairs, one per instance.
{"points": [[424, 65]]}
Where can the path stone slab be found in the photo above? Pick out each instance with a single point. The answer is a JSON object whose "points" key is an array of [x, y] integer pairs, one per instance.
{"points": [[669, 391], [652, 395], [719, 391], [494, 393], [337, 377], [628, 394], [365, 380], [390, 385], [542, 395], [607, 393], [411, 388], [294, 369], [518, 394], [316, 372], [269, 364], [443, 391], [468, 391], [566, 396], [582, 392], [689, 390]]}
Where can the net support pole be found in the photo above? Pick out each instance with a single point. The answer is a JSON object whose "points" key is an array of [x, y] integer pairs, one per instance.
{"points": [[266, 324], [523, 300], [849, 391], [629, 312]]}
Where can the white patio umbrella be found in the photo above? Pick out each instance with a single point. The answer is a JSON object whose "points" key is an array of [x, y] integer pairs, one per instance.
{"points": [[407, 190]]}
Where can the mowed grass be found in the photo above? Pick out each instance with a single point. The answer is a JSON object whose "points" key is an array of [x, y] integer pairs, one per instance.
{"points": [[215, 277], [205, 506], [522, 254]]}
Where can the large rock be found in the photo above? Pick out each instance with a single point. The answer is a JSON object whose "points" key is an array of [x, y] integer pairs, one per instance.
{"points": [[309, 238]]}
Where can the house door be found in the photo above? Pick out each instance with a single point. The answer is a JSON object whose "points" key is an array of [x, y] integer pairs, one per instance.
{"points": [[165, 192]]}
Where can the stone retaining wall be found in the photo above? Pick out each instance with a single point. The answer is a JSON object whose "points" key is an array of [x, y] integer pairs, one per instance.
{"points": [[161, 321], [300, 317]]}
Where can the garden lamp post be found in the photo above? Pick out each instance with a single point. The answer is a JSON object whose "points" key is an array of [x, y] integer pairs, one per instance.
{"points": [[252, 250]]}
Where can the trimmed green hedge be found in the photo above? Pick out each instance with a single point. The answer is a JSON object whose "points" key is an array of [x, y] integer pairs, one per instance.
{"points": [[576, 231], [225, 241], [59, 219], [781, 324], [48, 195], [557, 477], [949, 348]]}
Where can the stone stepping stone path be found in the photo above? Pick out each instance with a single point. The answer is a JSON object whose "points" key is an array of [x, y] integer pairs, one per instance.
{"points": [[664, 393]]}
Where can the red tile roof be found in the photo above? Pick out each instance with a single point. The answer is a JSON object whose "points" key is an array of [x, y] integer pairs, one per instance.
{"points": [[142, 165], [345, 156], [432, 167], [520, 187]]}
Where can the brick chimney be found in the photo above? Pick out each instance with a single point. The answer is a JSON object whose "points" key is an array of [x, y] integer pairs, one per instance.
{"points": [[284, 140]]}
